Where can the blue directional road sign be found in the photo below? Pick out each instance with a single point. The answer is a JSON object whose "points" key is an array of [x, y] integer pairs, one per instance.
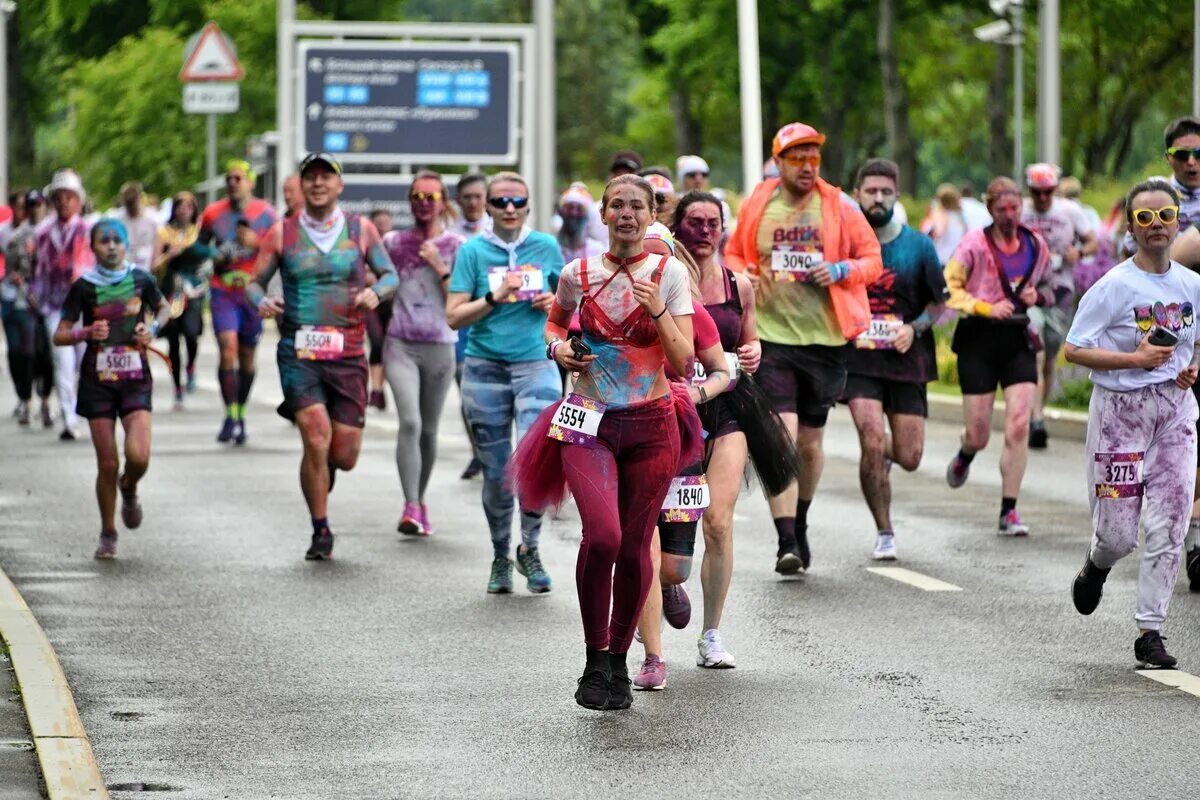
{"points": [[387, 102]]}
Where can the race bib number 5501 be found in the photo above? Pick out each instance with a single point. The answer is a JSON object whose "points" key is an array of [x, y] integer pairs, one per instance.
{"points": [[118, 364]]}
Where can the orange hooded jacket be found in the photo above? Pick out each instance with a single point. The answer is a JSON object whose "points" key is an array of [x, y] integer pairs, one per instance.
{"points": [[846, 236]]}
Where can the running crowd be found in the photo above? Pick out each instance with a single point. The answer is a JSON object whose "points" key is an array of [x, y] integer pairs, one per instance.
{"points": [[641, 357]]}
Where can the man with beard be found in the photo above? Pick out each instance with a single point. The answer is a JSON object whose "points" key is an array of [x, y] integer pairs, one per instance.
{"points": [[811, 255], [893, 360]]}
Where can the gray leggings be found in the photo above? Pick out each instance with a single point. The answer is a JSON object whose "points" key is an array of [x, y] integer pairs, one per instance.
{"points": [[420, 374]]}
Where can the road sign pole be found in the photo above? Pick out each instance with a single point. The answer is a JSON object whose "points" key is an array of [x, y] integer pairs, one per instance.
{"points": [[751, 94], [1018, 23], [285, 91], [1049, 83], [543, 20], [210, 158]]}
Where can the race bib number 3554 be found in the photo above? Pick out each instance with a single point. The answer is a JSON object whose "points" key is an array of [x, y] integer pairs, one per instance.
{"points": [[319, 343], [1118, 475], [576, 420], [118, 364]]}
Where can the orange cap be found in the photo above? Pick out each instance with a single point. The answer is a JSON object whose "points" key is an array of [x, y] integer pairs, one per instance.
{"points": [[795, 133]]}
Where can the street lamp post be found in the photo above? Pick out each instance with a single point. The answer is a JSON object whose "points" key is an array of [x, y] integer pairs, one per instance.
{"points": [[1010, 31], [7, 7], [751, 93]]}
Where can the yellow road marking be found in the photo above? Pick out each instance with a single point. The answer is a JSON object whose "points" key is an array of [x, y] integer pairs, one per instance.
{"points": [[915, 579]]}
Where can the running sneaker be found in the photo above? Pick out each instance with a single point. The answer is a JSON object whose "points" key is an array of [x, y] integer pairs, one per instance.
{"points": [[108, 546], [529, 564], [957, 472], [500, 581], [239, 436], [652, 677], [227, 428], [1088, 587], [178, 400], [425, 520], [1038, 435], [191, 381], [131, 509], [677, 606], [885, 547], [620, 688], [713, 654], [802, 547], [67, 435], [593, 688], [1151, 653], [23, 414], [787, 559], [1011, 525], [410, 521], [321, 548], [473, 469], [47, 417], [1193, 569], [376, 399]]}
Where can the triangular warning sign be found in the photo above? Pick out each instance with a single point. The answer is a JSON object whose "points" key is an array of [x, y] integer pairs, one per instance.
{"points": [[212, 59]]}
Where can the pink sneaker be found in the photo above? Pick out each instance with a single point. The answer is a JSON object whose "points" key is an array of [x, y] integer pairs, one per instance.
{"points": [[1011, 525], [653, 675], [425, 520], [411, 523]]}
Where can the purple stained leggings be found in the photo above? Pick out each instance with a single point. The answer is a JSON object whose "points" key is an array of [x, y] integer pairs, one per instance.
{"points": [[619, 486]]}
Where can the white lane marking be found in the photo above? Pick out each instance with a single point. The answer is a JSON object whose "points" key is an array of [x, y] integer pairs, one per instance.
{"points": [[1174, 678], [53, 576], [915, 579]]}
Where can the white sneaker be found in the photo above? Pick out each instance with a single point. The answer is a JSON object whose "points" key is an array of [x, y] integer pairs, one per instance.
{"points": [[712, 652], [885, 547], [1011, 525]]}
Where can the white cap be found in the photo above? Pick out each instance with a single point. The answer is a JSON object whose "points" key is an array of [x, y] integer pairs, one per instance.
{"points": [[66, 179], [656, 230], [685, 165]]}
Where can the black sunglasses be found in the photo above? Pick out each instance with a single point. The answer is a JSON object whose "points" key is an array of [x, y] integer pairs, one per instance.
{"points": [[1182, 154], [502, 202]]}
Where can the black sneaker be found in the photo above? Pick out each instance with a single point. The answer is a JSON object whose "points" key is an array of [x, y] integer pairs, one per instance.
{"points": [[620, 688], [802, 547], [1088, 587], [473, 469], [1193, 569], [226, 433], [787, 559], [1038, 435], [239, 434], [593, 688], [321, 548], [1151, 653]]}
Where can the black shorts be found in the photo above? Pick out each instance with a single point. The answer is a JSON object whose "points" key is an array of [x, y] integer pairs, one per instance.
{"points": [[102, 399], [805, 380], [1196, 392], [339, 385], [991, 353], [898, 397], [717, 418], [679, 538]]}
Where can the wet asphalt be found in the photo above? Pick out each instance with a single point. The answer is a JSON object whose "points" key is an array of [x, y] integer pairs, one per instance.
{"points": [[210, 660]]}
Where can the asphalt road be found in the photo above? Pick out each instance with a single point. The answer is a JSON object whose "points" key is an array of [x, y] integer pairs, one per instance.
{"points": [[212, 660]]}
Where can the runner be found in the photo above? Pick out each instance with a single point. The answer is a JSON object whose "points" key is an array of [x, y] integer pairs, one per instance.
{"points": [[1136, 331], [1069, 235], [29, 362], [418, 352], [623, 425], [997, 274], [140, 223], [692, 176], [664, 194], [624, 162], [377, 325], [895, 358], [322, 256], [293, 196], [471, 196], [811, 254], [183, 271], [502, 286], [63, 255], [575, 208], [112, 300], [233, 226]]}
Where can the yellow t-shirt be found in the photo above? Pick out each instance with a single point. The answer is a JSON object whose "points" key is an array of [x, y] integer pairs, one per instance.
{"points": [[792, 311]]}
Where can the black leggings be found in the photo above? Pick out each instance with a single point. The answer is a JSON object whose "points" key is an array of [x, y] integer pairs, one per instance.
{"points": [[189, 325], [29, 361]]}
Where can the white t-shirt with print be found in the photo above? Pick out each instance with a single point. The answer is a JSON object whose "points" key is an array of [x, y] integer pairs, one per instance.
{"points": [[1062, 225], [675, 287], [1124, 306]]}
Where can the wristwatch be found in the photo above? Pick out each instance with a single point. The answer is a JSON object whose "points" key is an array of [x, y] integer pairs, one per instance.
{"points": [[491, 300]]}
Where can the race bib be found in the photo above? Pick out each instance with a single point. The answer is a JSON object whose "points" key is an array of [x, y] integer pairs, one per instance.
{"points": [[119, 364], [576, 420], [319, 343], [234, 279], [1118, 475], [686, 500], [732, 365], [792, 265], [532, 282], [881, 333]]}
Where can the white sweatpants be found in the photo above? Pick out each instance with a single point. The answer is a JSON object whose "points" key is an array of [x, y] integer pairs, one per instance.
{"points": [[66, 371]]}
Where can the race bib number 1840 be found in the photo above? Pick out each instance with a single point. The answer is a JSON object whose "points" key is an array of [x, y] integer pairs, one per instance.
{"points": [[686, 500]]}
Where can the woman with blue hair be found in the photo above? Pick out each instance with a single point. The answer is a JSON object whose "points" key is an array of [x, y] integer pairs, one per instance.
{"points": [[113, 301]]}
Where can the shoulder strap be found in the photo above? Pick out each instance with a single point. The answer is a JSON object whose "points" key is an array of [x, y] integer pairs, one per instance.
{"points": [[994, 252], [584, 286], [658, 271], [731, 289]]}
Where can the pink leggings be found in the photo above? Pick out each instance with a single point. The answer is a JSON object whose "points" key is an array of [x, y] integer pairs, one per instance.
{"points": [[619, 486]]}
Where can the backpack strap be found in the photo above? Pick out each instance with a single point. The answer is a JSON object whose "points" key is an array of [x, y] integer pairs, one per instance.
{"points": [[583, 276], [658, 271]]}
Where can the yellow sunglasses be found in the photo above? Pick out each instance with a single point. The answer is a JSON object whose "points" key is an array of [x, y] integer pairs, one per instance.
{"points": [[1144, 217]]}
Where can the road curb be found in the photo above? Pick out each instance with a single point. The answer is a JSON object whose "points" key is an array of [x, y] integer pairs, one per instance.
{"points": [[69, 767], [1059, 423]]}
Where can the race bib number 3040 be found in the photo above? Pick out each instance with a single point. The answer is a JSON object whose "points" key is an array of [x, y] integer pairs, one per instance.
{"points": [[319, 343], [792, 265], [576, 420], [1118, 475], [119, 364], [686, 500], [533, 282]]}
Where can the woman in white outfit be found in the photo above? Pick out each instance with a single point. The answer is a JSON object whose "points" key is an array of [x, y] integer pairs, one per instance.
{"points": [[1136, 330]]}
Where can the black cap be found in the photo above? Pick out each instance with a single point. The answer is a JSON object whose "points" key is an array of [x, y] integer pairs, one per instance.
{"points": [[627, 159], [34, 196], [321, 158]]}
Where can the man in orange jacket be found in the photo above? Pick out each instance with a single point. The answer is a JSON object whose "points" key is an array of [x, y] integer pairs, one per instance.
{"points": [[811, 254]]}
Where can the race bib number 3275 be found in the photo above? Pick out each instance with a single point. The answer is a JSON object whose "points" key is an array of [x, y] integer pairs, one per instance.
{"points": [[1118, 475]]}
